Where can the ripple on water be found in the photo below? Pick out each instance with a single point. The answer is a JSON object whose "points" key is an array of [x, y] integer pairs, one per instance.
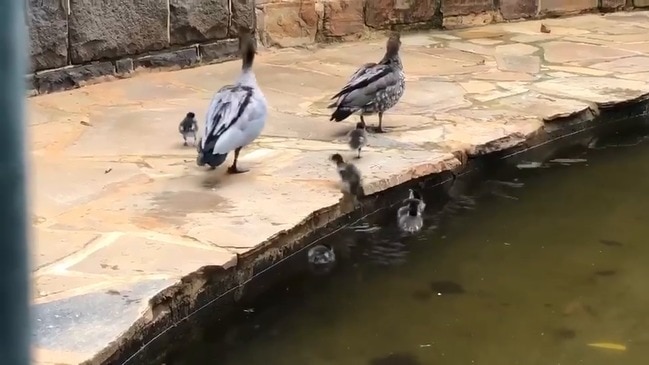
{"points": [[400, 358]]}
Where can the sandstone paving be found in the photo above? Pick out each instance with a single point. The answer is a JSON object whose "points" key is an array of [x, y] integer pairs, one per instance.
{"points": [[120, 210]]}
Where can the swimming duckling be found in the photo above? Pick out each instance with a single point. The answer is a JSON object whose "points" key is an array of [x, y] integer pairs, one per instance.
{"points": [[416, 196], [350, 177], [188, 128], [409, 217], [358, 138]]}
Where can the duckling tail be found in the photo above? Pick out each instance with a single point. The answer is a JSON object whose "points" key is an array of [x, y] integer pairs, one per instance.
{"points": [[360, 192]]}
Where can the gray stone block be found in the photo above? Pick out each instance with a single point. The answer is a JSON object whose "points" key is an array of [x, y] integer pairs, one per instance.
{"points": [[124, 66], [48, 34], [112, 29], [243, 14], [184, 58], [71, 77], [220, 51], [194, 21]]}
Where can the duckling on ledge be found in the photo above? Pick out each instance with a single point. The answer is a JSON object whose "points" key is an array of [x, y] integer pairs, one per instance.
{"points": [[188, 128], [358, 138], [409, 217], [350, 177]]}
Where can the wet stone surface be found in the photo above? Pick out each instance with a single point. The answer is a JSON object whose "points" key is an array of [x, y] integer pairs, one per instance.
{"points": [[121, 211]]}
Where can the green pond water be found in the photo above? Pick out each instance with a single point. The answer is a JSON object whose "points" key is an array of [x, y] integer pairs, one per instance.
{"points": [[527, 272]]}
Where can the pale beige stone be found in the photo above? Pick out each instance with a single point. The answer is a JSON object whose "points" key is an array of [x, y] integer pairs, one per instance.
{"points": [[504, 76], [514, 63], [559, 52], [516, 49], [485, 41], [625, 65], [51, 246], [477, 87], [578, 70], [133, 255], [544, 106], [594, 89]]}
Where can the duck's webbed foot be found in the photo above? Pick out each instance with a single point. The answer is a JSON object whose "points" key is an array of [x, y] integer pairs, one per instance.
{"points": [[373, 129], [234, 169]]}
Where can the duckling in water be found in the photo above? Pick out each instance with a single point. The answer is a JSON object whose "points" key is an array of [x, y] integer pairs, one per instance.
{"points": [[321, 259], [358, 138], [409, 217], [350, 177], [416, 196]]}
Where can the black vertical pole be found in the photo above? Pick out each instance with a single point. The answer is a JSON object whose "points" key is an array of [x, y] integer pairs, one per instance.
{"points": [[15, 324]]}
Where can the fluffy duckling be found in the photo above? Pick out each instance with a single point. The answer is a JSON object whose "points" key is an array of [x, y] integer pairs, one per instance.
{"points": [[237, 114], [350, 177], [188, 128], [409, 217], [373, 88], [358, 138], [414, 195]]}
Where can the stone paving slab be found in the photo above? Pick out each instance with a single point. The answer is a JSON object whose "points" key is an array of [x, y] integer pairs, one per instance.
{"points": [[121, 211]]}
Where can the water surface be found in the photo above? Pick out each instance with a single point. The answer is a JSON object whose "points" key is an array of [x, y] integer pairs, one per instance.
{"points": [[530, 274]]}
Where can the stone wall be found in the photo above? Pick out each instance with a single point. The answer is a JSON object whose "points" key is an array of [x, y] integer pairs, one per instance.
{"points": [[77, 41]]}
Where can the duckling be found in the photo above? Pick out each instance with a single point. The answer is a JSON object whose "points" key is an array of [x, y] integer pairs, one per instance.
{"points": [[350, 177], [237, 114], [409, 217], [416, 196], [188, 128], [321, 259], [358, 138], [373, 88]]}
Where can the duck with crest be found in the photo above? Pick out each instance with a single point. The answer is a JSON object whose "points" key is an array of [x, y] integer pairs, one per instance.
{"points": [[373, 88], [236, 115]]}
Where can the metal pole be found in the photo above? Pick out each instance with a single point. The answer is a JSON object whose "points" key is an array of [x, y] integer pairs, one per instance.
{"points": [[15, 323]]}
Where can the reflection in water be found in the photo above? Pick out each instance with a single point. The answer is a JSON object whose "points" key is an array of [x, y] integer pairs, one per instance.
{"points": [[556, 275]]}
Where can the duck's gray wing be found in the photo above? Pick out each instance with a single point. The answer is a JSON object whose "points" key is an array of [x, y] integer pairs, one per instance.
{"points": [[228, 107], [362, 90], [358, 73]]}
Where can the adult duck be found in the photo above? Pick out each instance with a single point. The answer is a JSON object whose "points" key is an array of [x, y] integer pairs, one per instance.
{"points": [[373, 88], [236, 115]]}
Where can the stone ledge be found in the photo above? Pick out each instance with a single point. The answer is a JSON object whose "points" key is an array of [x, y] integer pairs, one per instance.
{"points": [[233, 286]]}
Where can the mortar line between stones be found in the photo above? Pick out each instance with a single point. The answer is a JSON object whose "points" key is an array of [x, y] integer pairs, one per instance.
{"points": [[77, 257], [169, 21]]}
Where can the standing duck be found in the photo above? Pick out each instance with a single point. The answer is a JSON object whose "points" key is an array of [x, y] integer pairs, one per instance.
{"points": [[358, 138], [350, 177], [236, 115], [373, 88]]}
